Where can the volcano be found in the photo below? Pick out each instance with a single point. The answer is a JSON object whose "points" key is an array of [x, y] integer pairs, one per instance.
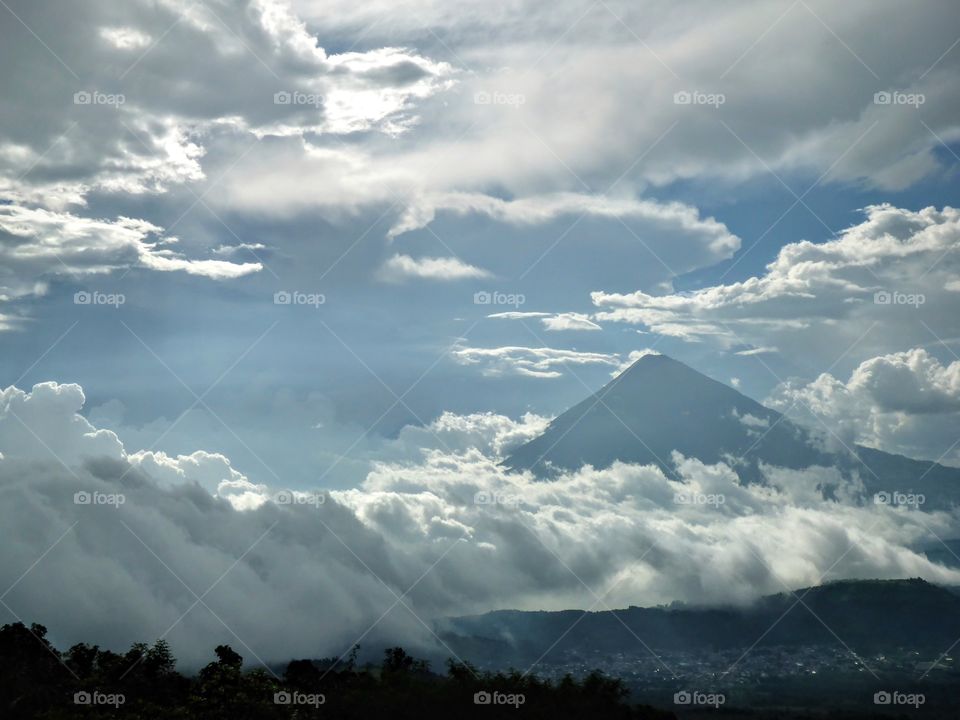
{"points": [[660, 406]]}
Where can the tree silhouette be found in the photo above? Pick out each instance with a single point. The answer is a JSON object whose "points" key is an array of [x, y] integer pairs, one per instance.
{"points": [[37, 681]]}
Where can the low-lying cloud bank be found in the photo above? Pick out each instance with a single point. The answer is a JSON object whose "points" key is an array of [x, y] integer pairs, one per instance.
{"points": [[111, 545]]}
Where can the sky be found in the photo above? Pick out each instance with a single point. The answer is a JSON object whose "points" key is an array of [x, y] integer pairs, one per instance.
{"points": [[358, 248]]}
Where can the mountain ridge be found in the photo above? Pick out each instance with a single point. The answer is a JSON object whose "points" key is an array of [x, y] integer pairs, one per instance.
{"points": [[660, 405], [913, 613]]}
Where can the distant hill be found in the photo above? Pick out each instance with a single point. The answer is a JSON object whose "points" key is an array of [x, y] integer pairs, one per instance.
{"points": [[870, 615], [659, 405]]}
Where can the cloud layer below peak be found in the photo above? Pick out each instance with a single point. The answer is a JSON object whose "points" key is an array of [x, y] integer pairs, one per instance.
{"points": [[439, 507]]}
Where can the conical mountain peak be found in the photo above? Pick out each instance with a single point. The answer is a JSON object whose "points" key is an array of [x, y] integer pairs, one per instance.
{"points": [[659, 406], [655, 406]]}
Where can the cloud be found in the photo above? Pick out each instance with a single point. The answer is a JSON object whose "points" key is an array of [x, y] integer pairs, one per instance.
{"points": [[61, 433], [462, 433], [756, 351], [40, 244], [518, 315], [905, 402], [823, 123], [570, 321], [261, 71], [531, 362], [414, 527], [542, 209], [752, 421], [270, 114], [124, 38], [538, 231], [240, 247], [815, 299], [159, 91], [244, 97], [403, 267], [552, 322]]}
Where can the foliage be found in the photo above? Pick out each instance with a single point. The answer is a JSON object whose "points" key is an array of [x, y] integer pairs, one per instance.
{"points": [[39, 681]]}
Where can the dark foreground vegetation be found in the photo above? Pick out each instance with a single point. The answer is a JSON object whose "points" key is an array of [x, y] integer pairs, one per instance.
{"points": [[38, 681]]}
